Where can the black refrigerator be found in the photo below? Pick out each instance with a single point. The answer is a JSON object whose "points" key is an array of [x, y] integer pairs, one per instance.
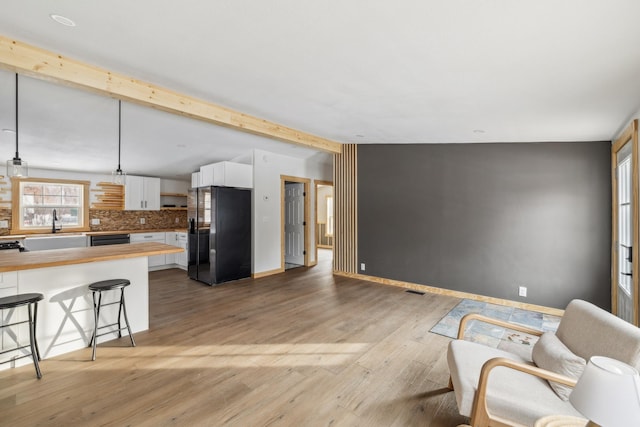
{"points": [[219, 234]]}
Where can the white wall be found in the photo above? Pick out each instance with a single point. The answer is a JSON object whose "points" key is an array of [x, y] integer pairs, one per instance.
{"points": [[174, 186], [267, 234]]}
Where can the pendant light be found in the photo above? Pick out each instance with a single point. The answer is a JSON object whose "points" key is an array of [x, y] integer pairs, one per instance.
{"points": [[118, 176], [16, 166]]}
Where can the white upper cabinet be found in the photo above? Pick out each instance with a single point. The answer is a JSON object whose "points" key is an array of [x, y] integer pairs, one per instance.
{"points": [[195, 180], [142, 193], [227, 174], [205, 177]]}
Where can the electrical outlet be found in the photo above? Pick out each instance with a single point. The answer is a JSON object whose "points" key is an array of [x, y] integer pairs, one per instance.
{"points": [[4, 224], [95, 221], [177, 220], [522, 291], [142, 221], [362, 266]]}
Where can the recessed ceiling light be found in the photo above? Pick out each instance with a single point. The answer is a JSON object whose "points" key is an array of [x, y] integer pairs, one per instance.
{"points": [[181, 146], [8, 130], [62, 20], [478, 131], [359, 136]]}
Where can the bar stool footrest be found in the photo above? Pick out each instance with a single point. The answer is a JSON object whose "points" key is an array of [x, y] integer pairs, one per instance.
{"points": [[111, 332]]}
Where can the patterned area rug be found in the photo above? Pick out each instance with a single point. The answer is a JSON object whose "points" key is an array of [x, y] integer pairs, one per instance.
{"points": [[495, 336]]}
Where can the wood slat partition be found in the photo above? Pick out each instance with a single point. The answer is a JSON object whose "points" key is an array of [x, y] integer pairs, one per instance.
{"points": [[345, 173]]}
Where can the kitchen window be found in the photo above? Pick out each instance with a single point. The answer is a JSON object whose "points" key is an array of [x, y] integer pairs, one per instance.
{"points": [[37, 198]]}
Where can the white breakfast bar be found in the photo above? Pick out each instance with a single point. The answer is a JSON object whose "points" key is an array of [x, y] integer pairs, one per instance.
{"points": [[65, 316]]}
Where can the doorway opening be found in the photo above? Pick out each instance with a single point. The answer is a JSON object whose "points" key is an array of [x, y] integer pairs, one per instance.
{"points": [[324, 217], [295, 220]]}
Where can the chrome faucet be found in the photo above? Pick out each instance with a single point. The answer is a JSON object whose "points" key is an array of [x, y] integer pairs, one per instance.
{"points": [[53, 222]]}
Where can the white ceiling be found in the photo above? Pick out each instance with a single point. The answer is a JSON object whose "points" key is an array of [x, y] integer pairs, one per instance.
{"points": [[365, 71], [69, 129]]}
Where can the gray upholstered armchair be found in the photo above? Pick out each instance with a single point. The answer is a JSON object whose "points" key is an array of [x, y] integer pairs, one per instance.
{"points": [[497, 388]]}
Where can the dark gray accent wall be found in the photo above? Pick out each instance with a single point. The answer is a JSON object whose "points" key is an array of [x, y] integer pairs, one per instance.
{"points": [[487, 218]]}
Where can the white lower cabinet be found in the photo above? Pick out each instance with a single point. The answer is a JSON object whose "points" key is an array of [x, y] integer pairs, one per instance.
{"points": [[182, 258], [157, 261], [178, 239], [170, 239], [8, 287], [9, 279]]}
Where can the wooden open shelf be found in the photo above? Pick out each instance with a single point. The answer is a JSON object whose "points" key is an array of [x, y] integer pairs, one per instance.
{"points": [[176, 208], [173, 195]]}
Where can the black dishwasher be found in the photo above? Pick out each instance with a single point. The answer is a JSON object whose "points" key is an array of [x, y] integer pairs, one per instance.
{"points": [[109, 239]]}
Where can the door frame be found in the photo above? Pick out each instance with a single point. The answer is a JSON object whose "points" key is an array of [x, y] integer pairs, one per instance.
{"points": [[629, 134], [307, 195]]}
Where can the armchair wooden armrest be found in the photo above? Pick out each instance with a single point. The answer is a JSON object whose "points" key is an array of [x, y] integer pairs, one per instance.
{"points": [[480, 415], [475, 316]]}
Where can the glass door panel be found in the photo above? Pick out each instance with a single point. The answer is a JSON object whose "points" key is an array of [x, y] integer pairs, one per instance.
{"points": [[624, 257]]}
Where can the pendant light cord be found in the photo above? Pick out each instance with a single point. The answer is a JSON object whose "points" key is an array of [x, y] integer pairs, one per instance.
{"points": [[16, 167], [119, 131], [118, 176], [17, 154]]}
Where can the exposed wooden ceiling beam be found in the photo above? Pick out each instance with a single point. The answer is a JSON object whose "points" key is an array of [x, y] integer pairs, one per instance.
{"points": [[36, 62]]}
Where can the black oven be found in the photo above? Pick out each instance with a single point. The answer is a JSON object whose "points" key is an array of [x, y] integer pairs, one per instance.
{"points": [[109, 239]]}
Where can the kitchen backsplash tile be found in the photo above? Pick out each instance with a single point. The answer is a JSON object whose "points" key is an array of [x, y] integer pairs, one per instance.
{"points": [[130, 220], [111, 220]]}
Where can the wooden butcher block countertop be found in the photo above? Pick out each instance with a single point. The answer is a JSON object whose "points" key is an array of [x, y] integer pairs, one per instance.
{"points": [[14, 261]]}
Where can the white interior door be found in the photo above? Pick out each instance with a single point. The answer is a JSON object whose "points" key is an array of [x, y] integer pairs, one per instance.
{"points": [[294, 223]]}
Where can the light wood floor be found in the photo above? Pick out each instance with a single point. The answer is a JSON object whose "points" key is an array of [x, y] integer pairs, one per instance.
{"points": [[302, 348]]}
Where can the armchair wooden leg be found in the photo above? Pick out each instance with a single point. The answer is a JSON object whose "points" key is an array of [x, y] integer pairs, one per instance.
{"points": [[479, 419], [450, 383]]}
